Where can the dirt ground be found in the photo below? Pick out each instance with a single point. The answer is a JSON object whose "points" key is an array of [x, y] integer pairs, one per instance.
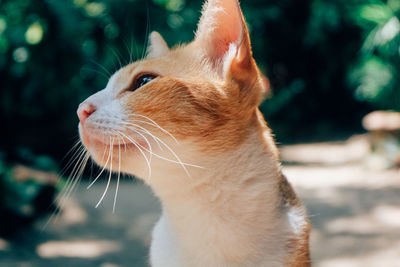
{"points": [[354, 209]]}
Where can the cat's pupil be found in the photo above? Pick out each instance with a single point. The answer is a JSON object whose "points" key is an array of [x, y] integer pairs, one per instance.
{"points": [[141, 81]]}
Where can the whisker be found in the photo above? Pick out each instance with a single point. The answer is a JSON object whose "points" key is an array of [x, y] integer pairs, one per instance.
{"points": [[79, 174], [109, 177], [78, 147], [145, 139], [75, 175], [75, 145], [71, 184], [129, 50], [102, 67], [158, 126], [116, 56], [97, 71], [175, 155], [102, 170], [119, 173], [157, 140], [144, 129], [80, 158], [146, 40], [141, 151]]}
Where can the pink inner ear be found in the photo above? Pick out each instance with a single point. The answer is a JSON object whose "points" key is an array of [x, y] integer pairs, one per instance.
{"points": [[228, 28]]}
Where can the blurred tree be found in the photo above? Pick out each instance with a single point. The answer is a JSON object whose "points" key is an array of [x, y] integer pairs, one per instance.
{"points": [[329, 61], [375, 75]]}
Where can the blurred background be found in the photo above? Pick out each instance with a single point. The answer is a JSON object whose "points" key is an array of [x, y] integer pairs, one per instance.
{"points": [[329, 63]]}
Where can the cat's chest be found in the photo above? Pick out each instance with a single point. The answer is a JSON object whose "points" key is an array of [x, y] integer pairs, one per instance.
{"points": [[164, 250], [201, 249]]}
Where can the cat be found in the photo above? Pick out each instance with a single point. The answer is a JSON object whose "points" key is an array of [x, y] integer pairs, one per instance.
{"points": [[186, 121]]}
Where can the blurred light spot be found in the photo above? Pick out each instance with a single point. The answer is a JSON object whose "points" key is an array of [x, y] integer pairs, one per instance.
{"points": [[373, 75], [34, 34], [388, 31], [378, 13], [72, 213], [109, 264], [77, 248], [111, 31], [80, 3], [387, 256], [94, 9], [388, 215], [353, 150], [21, 54], [89, 47], [175, 5], [382, 219], [3, 25], [3, 245], [175, 21], [26, 210]]}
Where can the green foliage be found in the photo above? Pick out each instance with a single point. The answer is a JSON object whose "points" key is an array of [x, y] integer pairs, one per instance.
{"points": [[375, 76], [329, 62]]}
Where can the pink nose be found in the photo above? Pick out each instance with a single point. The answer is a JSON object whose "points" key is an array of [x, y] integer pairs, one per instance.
{"points": [[85, 110]]}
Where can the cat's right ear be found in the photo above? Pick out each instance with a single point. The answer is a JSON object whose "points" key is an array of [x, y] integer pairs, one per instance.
{"points": [[157, 46], [223, 37]]}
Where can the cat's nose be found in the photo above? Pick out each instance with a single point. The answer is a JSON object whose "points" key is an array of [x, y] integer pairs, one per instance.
{"points": [[85, 110]]}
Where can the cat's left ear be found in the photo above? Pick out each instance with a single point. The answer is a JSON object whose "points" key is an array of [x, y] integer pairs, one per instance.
{"points": [[157, 46], [223, 36]]}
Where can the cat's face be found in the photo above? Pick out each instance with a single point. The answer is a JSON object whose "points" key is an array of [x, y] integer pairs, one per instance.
{"points": [[200, 97]]}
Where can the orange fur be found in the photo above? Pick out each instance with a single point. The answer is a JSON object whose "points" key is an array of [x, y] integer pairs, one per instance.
{"points": [[206, 94]]}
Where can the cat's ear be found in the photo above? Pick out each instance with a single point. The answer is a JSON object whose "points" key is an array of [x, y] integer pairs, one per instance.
{"points": [[223, 36], [157, 46]]}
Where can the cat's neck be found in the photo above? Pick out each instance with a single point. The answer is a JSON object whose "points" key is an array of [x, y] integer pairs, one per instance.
{"points": [[255, 160], [232, 202]]}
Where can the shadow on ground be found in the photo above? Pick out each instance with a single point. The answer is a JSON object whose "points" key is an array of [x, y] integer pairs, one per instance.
{"points": [[355, 213]]}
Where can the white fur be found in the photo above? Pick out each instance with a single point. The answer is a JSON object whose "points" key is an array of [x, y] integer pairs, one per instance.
{"points": [[296, 219], [226, 214]]}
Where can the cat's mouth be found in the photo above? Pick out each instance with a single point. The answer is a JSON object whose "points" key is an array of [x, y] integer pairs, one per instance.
{"points": [[97, 140]]}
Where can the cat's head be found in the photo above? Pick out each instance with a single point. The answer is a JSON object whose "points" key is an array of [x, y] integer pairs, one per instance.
{"points": [[200, 97]]}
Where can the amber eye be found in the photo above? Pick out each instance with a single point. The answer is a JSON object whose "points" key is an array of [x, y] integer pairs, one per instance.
{"points": [[142, 80]]}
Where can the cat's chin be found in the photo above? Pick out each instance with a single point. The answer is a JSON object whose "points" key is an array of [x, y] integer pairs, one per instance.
{"points": [[105, 150]]}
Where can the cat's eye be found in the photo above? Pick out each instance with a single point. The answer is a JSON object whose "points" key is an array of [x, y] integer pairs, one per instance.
{"points": [[142, 80]]}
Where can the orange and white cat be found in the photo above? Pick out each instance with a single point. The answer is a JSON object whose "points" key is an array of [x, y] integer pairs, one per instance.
{"points": [[186, 121]]}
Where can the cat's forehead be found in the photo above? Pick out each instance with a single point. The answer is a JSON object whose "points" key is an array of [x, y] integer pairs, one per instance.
{"points": [[180, 62]]}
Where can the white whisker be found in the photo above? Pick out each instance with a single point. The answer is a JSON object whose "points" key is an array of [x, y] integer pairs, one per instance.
{"points": [[144, 130], [141, 151], [109, 177], [148, 143], [79, 148], [71, 183], [157, 140], [158, 126], [98, 176], [73, 175], [119, 173]]}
